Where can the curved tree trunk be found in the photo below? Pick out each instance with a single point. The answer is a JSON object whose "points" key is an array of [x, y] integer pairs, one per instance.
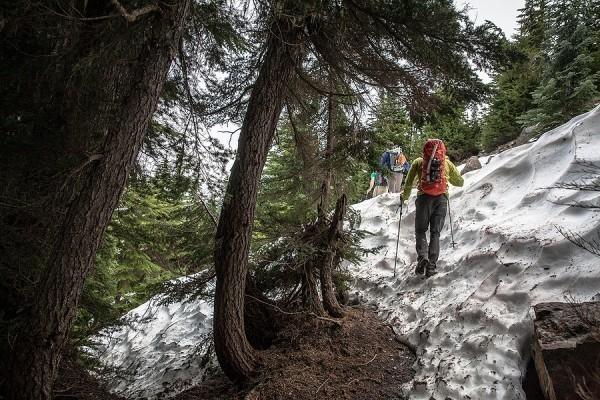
{"points": [[235, 354], [327, 288], [112, 125]]}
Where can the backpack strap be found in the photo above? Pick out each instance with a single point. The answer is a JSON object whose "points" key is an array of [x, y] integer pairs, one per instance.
{"points": [[428, 172]]}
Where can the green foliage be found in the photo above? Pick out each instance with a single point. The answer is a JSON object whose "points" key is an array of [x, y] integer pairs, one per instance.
{"points": [[392, 127], [297, 166], [286, 198], [452, 123], [571, 78], [512, 97], [514, 85], [285, 236], [157, 233], [277, 266], [558, 76]]}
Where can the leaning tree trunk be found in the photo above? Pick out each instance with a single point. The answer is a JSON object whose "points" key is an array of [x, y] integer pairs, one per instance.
{"points": [[235, 354], [112, 125], [327, 288]]}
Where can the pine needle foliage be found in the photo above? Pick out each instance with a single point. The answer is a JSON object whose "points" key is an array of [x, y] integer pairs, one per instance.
{"points": [[556, 75]]}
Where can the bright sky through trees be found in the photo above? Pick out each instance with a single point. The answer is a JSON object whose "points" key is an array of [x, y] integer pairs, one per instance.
{"points": [[502, 13]]}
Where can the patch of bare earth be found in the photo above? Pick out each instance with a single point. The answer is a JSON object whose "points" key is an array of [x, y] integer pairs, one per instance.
{"points": [[315, 359], [74, 382]]}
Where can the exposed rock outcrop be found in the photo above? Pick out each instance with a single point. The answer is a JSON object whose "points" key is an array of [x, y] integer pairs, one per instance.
{"points": [[566, 350]]}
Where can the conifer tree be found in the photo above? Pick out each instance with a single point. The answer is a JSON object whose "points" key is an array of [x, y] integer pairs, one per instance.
{"points": [[392, 127], [459, 130], [513, 85], [571, 76]]}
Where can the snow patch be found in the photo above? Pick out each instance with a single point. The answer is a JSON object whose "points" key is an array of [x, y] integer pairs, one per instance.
{"points": [[472, 323], [160, 351]]}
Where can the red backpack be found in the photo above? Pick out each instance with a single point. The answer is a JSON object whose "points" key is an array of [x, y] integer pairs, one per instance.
{"points": [[433, 170]]}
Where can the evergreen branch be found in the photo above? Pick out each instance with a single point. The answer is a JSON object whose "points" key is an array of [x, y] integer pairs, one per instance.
{"points": [[212, 216]]}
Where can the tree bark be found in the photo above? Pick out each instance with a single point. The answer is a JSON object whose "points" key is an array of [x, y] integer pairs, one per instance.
{"points": [[329, 149], [236, 356], [116, 120], [327, 287], [310, 294]]}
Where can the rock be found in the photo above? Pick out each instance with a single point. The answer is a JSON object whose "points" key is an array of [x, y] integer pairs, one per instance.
{"points": [[529, 133], [472, 164], [566, 350], [351, 299]]}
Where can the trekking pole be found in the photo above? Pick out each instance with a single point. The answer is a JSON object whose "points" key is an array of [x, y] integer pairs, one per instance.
{"points": [[398, 236], [453, 243]]}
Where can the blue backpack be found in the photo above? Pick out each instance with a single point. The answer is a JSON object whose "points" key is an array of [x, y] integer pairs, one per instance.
{"points": [[385, 161]]}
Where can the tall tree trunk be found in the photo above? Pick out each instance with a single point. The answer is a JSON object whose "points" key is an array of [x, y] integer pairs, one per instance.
{"points": [[235, 354], [329, 148], [116, 119], [327, 288]]}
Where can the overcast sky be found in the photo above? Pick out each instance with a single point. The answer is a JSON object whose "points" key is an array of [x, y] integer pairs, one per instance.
{"points": [[502, 13]]}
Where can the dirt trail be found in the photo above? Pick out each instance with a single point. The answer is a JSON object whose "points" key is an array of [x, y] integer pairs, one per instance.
{"points": [[314, 359]]}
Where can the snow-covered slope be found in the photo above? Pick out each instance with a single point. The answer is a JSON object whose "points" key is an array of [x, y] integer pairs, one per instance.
{"points": [[161, 351], [472, 322]]}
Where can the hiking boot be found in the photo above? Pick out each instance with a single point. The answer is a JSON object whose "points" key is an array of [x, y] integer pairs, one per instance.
{"points": [[430, 270], [421, 265]]}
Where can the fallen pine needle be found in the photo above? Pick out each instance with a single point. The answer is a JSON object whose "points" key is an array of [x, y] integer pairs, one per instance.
{"points": [[367, 363], [319, 388]]}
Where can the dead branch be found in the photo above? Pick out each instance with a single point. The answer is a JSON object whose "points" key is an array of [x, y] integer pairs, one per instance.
{"points": [[577, 204], [133, 15], [577, 185], [312, 314], [79, 168], [591, 246]]}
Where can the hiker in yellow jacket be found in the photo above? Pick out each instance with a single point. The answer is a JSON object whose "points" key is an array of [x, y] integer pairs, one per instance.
{"points": [[432, 201]]}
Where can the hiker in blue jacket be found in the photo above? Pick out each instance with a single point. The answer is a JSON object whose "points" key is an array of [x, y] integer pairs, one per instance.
{"points": [[396, 166]]}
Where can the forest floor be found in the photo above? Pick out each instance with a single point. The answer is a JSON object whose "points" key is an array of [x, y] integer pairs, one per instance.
{"points": [[314, 359], [75, 382]]}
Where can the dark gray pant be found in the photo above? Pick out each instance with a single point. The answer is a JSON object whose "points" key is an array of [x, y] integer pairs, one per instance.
{"points": [[430, 214]]}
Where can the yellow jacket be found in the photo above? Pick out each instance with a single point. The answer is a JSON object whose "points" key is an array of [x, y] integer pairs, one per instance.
{"points": [[452, 176]]}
